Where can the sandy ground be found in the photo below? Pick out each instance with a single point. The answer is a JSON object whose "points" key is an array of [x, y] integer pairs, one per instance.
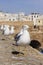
{"points": [[27, 55]]}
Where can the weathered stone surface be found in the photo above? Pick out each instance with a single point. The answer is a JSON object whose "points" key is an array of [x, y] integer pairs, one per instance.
{"points": [[31, 56], [27, 55]]}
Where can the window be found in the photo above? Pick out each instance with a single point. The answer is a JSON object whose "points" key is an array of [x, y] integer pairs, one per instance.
{"points": [[9, 19], [29, 18], [39, 21], [13, 19], [37, 16], [34, 16], [5, 15]]}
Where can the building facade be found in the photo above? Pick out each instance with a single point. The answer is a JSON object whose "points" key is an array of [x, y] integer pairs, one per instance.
{"points": [[39, 21], [36, 18]]}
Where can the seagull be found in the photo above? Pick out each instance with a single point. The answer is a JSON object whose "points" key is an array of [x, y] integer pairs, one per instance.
{"points": [[12, 30], [2, 27], [6, 30], [23, 37]]}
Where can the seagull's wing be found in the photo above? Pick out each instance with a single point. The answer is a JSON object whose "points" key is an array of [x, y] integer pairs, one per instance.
{"points": [[17, 37]]}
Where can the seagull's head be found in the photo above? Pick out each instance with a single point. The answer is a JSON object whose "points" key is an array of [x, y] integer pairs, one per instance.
{"points": [[6, 27], [25, 27], [12, 27]]}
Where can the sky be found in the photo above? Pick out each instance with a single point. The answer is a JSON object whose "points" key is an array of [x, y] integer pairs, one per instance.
{"points": [[26, 6]]}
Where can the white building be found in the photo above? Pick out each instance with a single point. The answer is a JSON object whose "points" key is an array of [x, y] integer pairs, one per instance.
{"points": [[33, 17], [39, 21], [13, 17], [8, 17]]}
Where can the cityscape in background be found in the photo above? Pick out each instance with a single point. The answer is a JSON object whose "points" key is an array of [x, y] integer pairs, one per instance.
{"points": [[37, 18]]}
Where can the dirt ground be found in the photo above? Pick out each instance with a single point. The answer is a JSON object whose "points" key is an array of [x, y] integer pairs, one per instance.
{"points": [[20, 55], [26, 56]]}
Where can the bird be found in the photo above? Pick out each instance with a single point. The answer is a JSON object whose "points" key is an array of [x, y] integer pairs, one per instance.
{"points": [[23, 37], [2, 26], [5, 26], [12, 30], [6, 30]]}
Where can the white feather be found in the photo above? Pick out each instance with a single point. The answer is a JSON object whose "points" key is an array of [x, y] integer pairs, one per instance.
{"points": [[25, 36], [12, 30], [6, 30]]}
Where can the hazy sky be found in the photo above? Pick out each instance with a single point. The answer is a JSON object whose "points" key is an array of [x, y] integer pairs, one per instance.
{"points": [[16, 6]]}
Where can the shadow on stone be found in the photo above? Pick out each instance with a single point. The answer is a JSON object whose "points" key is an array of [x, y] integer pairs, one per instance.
{"points": [[16, 53], [41, 50], [35, 44], [2, 39]]}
